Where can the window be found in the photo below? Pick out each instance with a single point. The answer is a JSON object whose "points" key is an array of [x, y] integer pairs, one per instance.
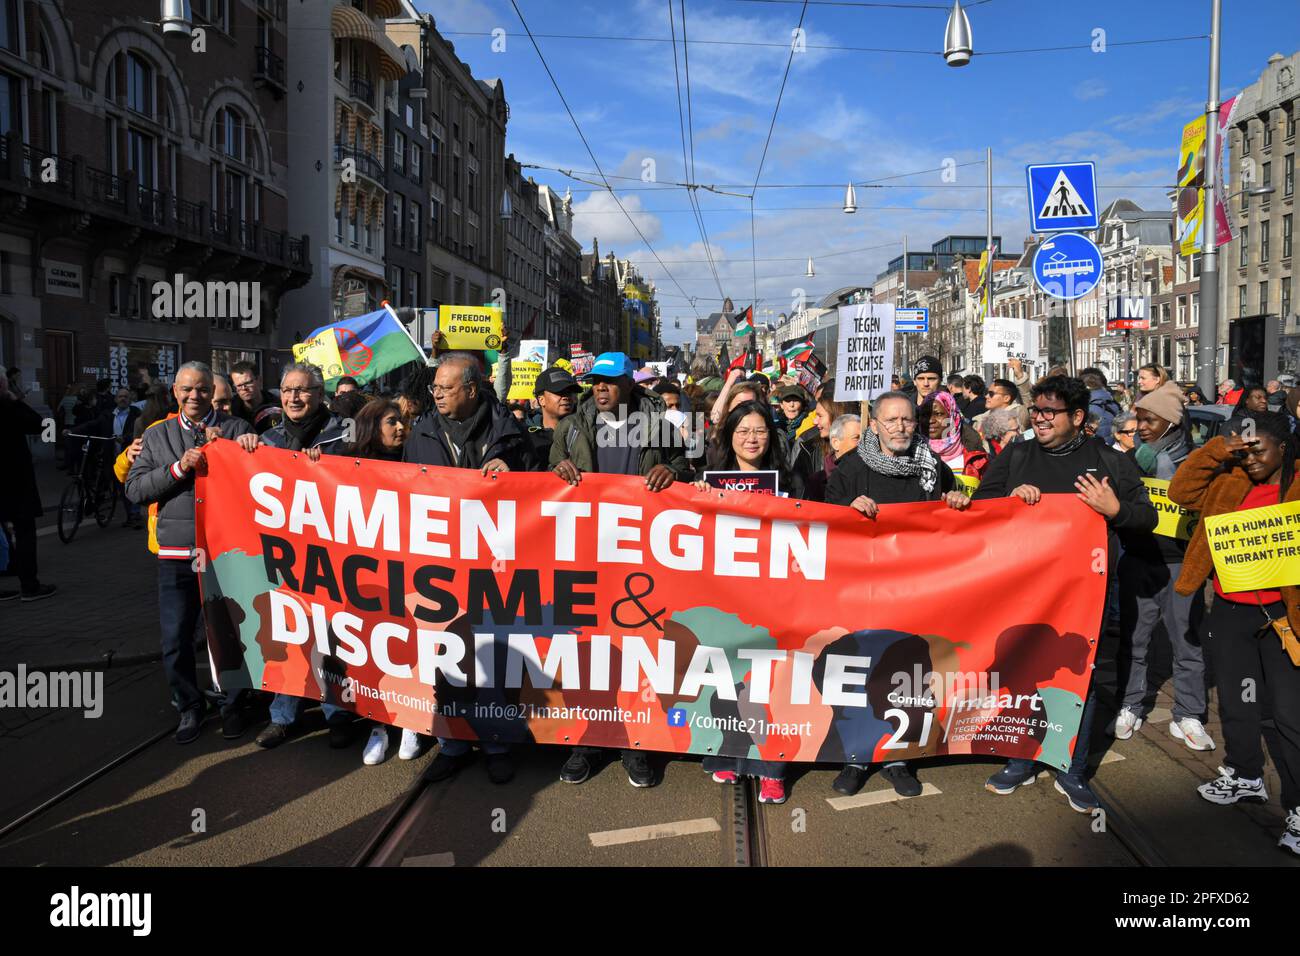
{"points": [[1288, 175], [416, 161], [1268, 130], [399, 152], [435, 153], [1286, 298], [1267, 181], [1286, 237], [214, 12], [50, 105], [435, 214], [1241, 301], [399, 220], [115, 293], [1263, 241], [1243, 258], [410, 116], [11, 103], [338, 213], [9, 25], [139, 85], [413, 288], [395, 283], [1182, 311], [1196, 310], [1263, 298], [142, 156], [415, 224], [1290, 126], [338, 60], [228, 131]]}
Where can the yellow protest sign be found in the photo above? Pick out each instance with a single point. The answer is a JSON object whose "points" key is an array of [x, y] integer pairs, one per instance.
{"points": [[523, 377], [966, 484], [1258, 549], [471, 327], [1174, 521], [564, 364], [322, 351]]}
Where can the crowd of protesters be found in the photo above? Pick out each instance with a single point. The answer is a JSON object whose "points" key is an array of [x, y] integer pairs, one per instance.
{"points": [[951, 442]]}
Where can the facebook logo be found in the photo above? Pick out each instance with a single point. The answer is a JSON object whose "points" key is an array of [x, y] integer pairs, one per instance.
{"points": [[677, 717]]}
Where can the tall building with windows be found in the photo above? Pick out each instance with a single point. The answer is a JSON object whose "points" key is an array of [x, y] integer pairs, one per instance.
{"points": [[467, 118], [128, 158], [1257, 269], [525, 272], [407, 180]]}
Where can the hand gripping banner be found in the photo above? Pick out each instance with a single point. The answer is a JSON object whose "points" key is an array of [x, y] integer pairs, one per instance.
{"points": [[516, 607]]}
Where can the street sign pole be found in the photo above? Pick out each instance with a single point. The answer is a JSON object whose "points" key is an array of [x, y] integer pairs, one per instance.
{"points": [[1069, 325], [1207, 337], [1128, 358]]}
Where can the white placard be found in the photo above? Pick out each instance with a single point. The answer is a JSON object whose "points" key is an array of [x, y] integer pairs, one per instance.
{"points": [[864, 358], [62, 278], [1007, 338], [534, 350]]}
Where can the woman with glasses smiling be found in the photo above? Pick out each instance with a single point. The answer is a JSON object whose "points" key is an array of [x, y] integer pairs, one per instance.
{"points": [[749, 441]]}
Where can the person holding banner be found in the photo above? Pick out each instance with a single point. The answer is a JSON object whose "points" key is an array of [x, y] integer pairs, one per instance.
{"points": [[557, 393], [163, 474], [307, 426], [751, 438], [1248, 633], [467, 428], [598, 437], [1062, 460], [893, 464], [1150, 565]]}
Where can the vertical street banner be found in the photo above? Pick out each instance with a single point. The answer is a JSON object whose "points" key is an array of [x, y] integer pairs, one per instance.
{"points": [[516, 607], [864, 359], [1189, 210]]}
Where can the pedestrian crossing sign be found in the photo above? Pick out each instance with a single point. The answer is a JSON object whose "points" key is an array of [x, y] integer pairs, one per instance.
{"points": [[1062, 196]]}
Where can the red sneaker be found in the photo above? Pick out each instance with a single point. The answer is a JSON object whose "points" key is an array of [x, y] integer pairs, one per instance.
{"points": [[724, 776], [771, 791]]}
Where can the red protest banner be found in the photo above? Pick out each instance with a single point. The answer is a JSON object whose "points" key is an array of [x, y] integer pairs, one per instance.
{"points": [[517, 607]]}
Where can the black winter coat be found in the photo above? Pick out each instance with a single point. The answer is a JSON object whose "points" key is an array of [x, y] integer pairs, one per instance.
{"points": [[19, 496]]}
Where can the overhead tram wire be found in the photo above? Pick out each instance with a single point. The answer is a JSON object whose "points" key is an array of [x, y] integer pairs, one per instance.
{"points": [[688, 165], [693, 195], [780, 94], [560, 93]]}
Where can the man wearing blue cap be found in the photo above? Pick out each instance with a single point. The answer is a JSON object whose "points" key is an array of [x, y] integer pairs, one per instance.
{"points": [[618, 429]]}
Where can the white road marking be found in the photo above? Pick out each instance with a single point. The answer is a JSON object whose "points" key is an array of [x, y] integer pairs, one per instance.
{"points": [[431, 859], [875, 797], [1112, 756], [656, 831]]}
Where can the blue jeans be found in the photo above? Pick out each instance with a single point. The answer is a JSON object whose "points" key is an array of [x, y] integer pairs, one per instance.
{"points": [[285, 709], [180, 622], [458, 748]]}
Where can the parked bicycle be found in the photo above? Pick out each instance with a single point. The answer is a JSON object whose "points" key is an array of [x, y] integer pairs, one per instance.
{"points": [[93, 490]]}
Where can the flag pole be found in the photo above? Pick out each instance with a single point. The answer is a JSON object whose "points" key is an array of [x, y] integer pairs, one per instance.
{"points": [[402, 325]]}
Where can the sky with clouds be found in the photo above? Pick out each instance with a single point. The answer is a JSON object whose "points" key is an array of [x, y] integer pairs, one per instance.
{"points": [[867, 99]]}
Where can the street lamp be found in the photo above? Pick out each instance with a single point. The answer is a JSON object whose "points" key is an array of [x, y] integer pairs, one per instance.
{"points": [[810, 273], [850, 199], [176, 17], [957, 47], [507, 209]]}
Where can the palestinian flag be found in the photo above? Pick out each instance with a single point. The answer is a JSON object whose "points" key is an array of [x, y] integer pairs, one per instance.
{"points": [[747, 361], [799, 351], [746, 324]]}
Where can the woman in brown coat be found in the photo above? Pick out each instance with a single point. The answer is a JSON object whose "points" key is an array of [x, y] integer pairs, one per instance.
{"points": [[1231, 474]]}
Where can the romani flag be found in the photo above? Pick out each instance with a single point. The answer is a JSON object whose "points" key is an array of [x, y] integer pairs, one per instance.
{"points": [[799, 351], [746, 324], [364, 347]]}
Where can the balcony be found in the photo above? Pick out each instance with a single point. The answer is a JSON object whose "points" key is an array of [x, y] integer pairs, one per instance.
{"points": [[362, 90], [367, 164], [269, 71], [85, 190]]}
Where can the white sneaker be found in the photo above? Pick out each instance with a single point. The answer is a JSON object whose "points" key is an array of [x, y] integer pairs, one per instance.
{"points": [[1126, 722], [376, 747], [1228, 788], [1191, 732], [1291, 835], [410, 747]]}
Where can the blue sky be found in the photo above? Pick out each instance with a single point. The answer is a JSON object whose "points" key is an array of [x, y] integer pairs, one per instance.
{"points": [[844, 115]]}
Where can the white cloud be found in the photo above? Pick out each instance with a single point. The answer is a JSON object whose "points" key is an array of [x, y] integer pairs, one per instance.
{"points": [[598, 215], [1090, 90]]}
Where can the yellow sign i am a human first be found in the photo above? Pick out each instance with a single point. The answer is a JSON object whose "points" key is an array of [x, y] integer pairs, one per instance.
{"points": [[1258, 549], [472, 327]]}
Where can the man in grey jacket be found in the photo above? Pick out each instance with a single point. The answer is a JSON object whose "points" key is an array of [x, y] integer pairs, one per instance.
{"points": [[163, 473]]}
